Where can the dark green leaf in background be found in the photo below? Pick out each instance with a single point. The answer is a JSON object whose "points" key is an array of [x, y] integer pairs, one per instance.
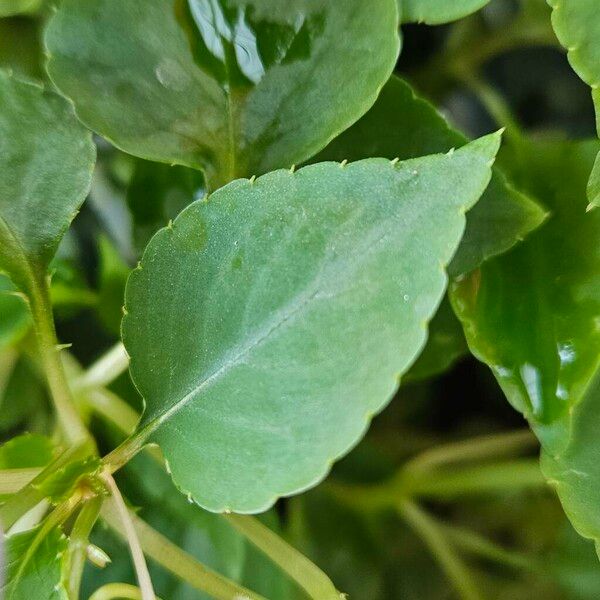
{"points": [[233, 87], [271, 321], [533, 315]]}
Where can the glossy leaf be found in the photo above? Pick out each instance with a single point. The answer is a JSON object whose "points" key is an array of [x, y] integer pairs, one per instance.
{"points": [[268, 323], [34, 570], [46, 160], [402, 125], [533, 315], [575, 471], [436, 12], [233, 88], [26, 451], [577, 26]]}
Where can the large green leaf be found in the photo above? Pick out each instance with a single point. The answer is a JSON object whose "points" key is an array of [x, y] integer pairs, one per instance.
{"points": [[401, 125], [34, 566], [267, 324], [46, 161], [436, 12], [533, 316], [234, 87], [577, 26]]}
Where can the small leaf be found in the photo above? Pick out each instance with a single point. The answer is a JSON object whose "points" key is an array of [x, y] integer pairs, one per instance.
{"points": [[436, 12], [61, 484], [271, 321], [233, 89], [26, 451], [46, 161], [577, 27], [402, 125], [532, 315], [111, 293], [34, 571]]}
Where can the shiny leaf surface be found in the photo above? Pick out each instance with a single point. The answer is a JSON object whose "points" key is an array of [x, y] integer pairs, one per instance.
{"points": [[532, 314], [238, 314], [233, 87]]}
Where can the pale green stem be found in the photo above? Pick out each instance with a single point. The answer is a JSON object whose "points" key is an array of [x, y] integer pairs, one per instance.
{"points": [[472, 542], [105, 370], [454, 568], [135, 548], [12, 480], [179, 562], [305, 573], [118, 591], [30, 495], [484, 479], [71, 425], [78, 543], [482, 447]]}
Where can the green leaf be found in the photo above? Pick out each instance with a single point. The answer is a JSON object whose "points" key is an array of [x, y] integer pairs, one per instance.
{"points": [[445, 345], [34, 567], [268, 323], [235, 89], [533, 315], [62, 483], [15, 318], [17, 7], [157, 193], [577, 27], [402, 125], [26, 451], [46, 161], [111, 293], [436, 12]]}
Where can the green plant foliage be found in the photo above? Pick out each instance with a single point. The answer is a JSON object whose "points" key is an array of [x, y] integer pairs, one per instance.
{"points": [[436, 12], [25, 451], [445, 345], [532, 315], [577, 26], [15, 7], [46, 176], [157, 193], [402, 125], [341, 226], [233, 89], [34, 564], [14, 314]]}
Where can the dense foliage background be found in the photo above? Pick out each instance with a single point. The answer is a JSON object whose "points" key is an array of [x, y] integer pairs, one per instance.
{"points": [[443, 498]]}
